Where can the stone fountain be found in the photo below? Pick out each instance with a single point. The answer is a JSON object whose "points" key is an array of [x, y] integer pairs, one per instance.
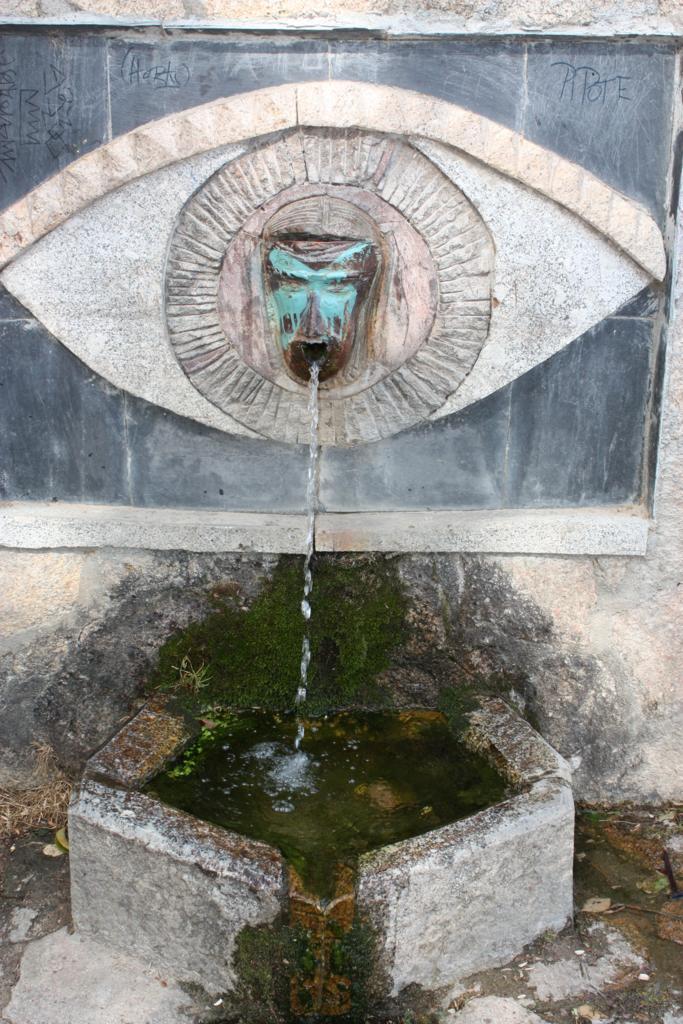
{"points": [[450, 238], [365, 275]]}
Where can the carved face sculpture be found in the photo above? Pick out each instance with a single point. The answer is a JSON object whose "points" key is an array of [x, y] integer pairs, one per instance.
{"points": [[321, 262], [318, 287]]}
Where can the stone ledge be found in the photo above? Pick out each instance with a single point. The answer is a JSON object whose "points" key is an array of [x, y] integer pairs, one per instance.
{"points": [[594, 531], [575, 20], [48, 525]]}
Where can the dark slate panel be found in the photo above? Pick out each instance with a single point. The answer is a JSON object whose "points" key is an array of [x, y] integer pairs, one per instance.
{"points": [[645, 304], [606, 106], [455, 462], [567, 433], [484, 76], [150, 80], [11, 308], [61, 426], [577, 420], [53, 105], [178, 463]]}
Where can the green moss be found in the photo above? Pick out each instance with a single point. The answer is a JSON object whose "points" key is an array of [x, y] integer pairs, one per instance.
{"points": [[247, 658], [269, 958], [458, 700], [261, 994], [354, 956]]}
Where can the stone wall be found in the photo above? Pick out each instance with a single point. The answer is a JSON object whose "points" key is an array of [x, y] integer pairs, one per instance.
{"points": [[577, 418]]}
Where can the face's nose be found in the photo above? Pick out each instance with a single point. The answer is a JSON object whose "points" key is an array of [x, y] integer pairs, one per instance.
{"points": [[312, 325]]}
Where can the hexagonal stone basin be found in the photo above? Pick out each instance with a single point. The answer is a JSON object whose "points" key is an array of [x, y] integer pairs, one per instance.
{"points": [[360, 781], [189, 896]]}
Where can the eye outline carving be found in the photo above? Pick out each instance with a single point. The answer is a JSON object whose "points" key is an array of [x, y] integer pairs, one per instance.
{"points": [[340, 103]]}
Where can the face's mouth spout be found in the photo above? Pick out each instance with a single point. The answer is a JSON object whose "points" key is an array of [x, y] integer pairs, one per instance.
{"points": [[314, 351], [322, 351]]}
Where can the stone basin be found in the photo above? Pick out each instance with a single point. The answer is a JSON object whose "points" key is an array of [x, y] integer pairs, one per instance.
{"points": [[176, 891]]}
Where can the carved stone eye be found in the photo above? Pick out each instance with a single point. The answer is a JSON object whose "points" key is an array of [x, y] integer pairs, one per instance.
{"points": [[160, 285]]}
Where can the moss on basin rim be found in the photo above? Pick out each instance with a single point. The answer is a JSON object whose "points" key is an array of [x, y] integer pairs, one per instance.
{"points": [[245, 658]]}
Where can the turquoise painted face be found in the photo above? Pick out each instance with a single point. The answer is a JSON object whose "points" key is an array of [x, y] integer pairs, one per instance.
{"points": [[318, 287]]}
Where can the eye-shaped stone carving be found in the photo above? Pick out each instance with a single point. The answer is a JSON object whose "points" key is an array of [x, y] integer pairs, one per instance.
{"points": [[96, 281]]}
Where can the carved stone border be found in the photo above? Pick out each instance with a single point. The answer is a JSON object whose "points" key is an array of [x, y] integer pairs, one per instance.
{"points": [[402, 176], [332, 104]]}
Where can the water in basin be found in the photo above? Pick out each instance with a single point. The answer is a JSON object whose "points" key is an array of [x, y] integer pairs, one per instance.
{"points": [[359, 781]]}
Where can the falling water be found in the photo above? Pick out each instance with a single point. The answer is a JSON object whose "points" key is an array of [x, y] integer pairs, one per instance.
{"points": [[311, 504]]}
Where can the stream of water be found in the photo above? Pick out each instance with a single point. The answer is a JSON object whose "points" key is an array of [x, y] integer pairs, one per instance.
{"points": [[311, 508]]}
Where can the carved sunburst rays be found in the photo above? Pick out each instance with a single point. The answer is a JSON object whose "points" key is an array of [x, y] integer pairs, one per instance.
{"points": [[457, 239]]}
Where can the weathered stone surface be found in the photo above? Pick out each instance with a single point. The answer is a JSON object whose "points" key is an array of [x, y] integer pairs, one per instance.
{"points": [[199, 70], [139, 752], [70, 525], [155, 883], [36, 589], [570, 978], [548, 459], [81, 414], [495, 1010], [486, 75], [71, 978], [637, 17], [72, 685], [508, 531], [468, 896], [54, 93]]}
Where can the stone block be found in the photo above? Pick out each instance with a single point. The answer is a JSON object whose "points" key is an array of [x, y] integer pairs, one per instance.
{"points": [[576, 421], [469, 896], [175, 463], [56, 105], [152, 80], [157, 884], [457, 462], [485, 76], [63, 427]]}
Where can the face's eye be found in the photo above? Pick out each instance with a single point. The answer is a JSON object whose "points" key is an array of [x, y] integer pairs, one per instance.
{"points": [[100, 280]]}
